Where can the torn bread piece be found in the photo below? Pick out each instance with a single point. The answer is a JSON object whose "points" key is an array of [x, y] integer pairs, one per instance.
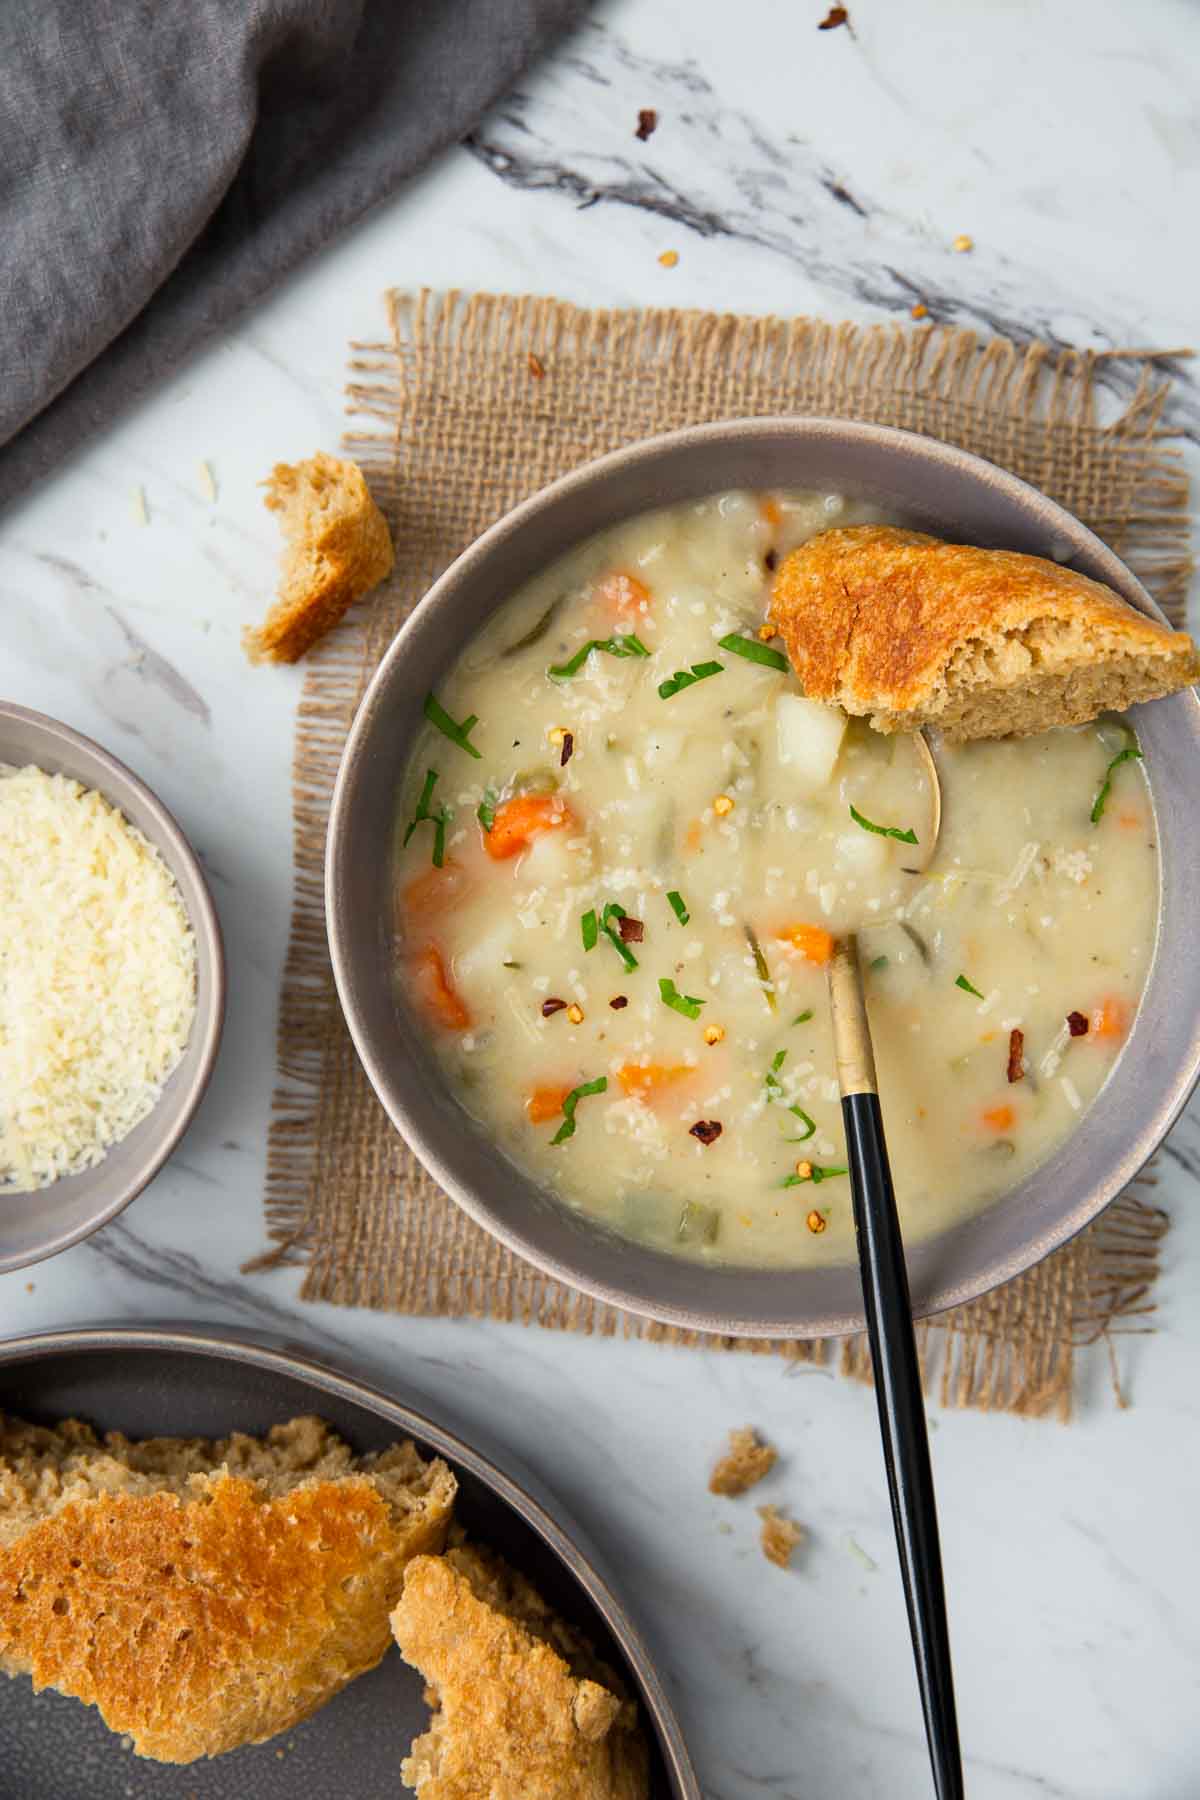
{"points": [[522, 1704], [205, 1595], [908, 631], [746, 1461], [779, 1536], [337, 548]]}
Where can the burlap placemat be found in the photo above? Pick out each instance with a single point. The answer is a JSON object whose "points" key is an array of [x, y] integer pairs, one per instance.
{"points": [[471, 404]]}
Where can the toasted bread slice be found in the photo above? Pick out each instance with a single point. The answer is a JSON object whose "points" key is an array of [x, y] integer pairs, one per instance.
{"points": [[337, 548], [523, 1706], [205, 1595], [908, 631]]}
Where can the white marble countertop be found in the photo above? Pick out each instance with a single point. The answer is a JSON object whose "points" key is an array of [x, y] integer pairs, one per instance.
{"points": [[792, 170]]}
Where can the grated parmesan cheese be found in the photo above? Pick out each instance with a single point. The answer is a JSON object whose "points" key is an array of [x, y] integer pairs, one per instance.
{"points": [[97, 977]]}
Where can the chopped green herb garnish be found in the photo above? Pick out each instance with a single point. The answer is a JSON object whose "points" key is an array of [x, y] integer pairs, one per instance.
{"points": [[879, 962], [818, 1174], [486, 810], [567, 1128], [458, 734], [892, 831], [804, 1017], [613, 911], [968, 987], [774, 1089], [1131, 753], [591, 929], [422, 811], [537, 630], [687, 1004], [612, 646], [675, 902], [754, 650], [760, 966], [440, 819], [685, 678]]}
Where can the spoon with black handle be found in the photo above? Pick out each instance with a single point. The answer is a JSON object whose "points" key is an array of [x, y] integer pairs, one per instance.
{"points": [[896, 1374], [893, 1346]]}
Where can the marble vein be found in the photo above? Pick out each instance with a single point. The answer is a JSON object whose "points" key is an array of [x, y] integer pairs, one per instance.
{"points": [[154, 668], [178, 1272], [716, 172]]}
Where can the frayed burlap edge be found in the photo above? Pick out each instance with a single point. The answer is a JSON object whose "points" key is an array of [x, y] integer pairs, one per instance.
{"points": [[1032, 409]]}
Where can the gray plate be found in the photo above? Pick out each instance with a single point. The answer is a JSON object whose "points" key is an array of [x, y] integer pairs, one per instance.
{"points": [[156, 1381]]}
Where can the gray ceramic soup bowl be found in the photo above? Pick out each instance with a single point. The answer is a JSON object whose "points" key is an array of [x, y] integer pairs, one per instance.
{"points": [[39, 1224], [930, 486]]}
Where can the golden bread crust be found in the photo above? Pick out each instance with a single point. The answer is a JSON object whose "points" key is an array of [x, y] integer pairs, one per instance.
{"points": [[338, 549], [211, 1613], [745, 1462], [910, 631], [515, 1719], [779, 1536]]}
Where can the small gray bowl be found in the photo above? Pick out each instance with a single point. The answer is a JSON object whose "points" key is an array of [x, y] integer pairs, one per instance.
{"points": [[39, 1224], [932, 487]]}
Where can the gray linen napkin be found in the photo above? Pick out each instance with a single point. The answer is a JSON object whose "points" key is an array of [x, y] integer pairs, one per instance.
{"points": [[164, 162]]}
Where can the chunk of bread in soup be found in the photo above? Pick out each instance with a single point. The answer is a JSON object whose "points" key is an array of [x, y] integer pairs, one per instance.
{"points": [[615, 918], [909, 631]]}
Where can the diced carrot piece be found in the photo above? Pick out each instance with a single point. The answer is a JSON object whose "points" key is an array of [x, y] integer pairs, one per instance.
{"points": [[770, 510], [520, 819], [623, 594], [438, 993], [647, 1082], [1111, 1018], [545, 1103], [433, 891], [812, 941], [693, 836], [1000, 1118]]}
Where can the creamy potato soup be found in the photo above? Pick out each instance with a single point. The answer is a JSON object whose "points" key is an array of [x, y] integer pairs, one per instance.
{"points": [[625, 844]]}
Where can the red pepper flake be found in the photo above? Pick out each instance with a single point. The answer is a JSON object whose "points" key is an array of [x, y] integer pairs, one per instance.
{"points": [[568, 749], [550, 1007], [770, 559], [1077, 1024], [647, 123], [707, 1130], [537, 367], [1016, 1055], [618, 1001], [632, 930], [919, 310], [837, 15]]}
